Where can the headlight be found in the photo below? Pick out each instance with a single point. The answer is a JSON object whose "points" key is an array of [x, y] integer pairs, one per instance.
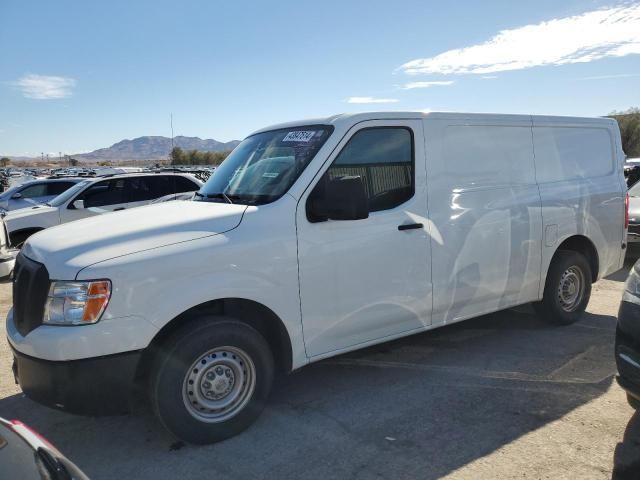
{"points": [[76, 303]]}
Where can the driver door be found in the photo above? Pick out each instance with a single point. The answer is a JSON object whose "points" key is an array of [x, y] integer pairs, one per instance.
{"points": [[101, 197], [364, 281]]}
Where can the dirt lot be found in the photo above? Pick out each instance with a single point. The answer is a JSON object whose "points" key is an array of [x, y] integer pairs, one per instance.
{"points": [[502, 396]]}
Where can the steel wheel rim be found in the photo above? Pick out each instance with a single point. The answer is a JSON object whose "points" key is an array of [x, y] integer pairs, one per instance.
{"points": [[571, 289], [219, 384]]}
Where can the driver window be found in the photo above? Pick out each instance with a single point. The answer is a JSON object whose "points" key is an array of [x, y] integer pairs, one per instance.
{"points": [[383, 157], [104, 193]]}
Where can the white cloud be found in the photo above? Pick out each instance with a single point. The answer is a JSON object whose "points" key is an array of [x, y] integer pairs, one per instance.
{"points": [[489, 77], [606, 77], [610, 32], [371, 100], [44, 87], [434, 83]]}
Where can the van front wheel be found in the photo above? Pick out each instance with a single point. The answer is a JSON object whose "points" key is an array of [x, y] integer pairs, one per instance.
{"points": [[567, 289], [212, 381]]}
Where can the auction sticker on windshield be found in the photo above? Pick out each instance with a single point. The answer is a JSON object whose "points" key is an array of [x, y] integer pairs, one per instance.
{"points": [[299, 136]]}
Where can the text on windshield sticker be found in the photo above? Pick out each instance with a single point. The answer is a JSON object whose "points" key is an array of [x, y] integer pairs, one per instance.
{"points": [[299, 136]]}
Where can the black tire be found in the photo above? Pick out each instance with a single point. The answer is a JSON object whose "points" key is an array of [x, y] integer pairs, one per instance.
{"points": [[633, 402], [551, 307], [169, 394]]}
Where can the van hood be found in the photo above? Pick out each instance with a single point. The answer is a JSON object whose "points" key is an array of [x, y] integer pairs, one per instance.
{"points": [[68, 248]]}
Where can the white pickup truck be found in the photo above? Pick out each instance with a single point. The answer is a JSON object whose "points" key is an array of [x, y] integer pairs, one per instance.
{"points": [[315, 238]]}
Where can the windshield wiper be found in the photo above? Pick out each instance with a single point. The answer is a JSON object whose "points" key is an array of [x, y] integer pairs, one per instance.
{"points": [[249, 199], [219, 195]]}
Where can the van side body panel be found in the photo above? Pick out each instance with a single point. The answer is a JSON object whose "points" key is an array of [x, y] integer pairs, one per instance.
{"points": [[579, 171], [484, 214]]}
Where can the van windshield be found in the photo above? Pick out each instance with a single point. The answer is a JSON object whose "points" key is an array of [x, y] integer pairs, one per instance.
{"points": [[66, 195], [264, 166]]}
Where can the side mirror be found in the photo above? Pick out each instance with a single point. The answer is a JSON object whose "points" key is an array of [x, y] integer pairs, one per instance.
{"points": [[78, 204], [16, 196], [341, 198]]}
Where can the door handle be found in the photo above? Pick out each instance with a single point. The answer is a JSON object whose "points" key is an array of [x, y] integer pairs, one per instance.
{"points": [[410, 226], [116, 209]]}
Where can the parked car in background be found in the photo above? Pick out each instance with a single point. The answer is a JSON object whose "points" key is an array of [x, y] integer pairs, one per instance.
{"points": [[627, 349], [631, 174], [633, 233], [95, 196], [34, 192], [27, 455], [313, 239]]}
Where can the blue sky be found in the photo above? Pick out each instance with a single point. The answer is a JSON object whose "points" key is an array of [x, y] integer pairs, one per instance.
{"points": [[78, 75]]}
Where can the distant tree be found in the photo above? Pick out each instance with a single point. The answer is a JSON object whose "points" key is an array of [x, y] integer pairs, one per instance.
{"points": [[218, 157], [4, 161], [73, 162], [196, 157], [192, 157], [629, 123], [177, 156]]}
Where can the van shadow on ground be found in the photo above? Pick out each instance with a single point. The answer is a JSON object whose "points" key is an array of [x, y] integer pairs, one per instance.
{"points": [[419, 407]]}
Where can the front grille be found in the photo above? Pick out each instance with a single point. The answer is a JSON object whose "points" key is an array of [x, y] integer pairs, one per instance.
{"points": [[30, 289], [634, 228]]}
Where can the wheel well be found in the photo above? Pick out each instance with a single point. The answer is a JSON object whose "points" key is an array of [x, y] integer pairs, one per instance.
{"points": [[263, 319], [27, 231], [584, 246]]}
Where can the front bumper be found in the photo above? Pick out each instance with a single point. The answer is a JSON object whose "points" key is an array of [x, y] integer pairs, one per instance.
{"points": [[627, 349], [93, 386]]}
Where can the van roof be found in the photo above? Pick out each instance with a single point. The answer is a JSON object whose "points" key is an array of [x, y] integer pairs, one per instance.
{"points": [[352, 118]]}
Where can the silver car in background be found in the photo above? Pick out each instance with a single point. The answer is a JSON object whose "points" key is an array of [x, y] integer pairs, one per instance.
{"points": [[34, 192], [633, 233]]}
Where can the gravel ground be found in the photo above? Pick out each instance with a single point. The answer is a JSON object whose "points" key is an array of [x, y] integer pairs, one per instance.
{"points": [[501, 396]]}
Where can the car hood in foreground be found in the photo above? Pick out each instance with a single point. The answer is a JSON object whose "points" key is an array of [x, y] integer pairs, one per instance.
{"points": [[68, 248]]}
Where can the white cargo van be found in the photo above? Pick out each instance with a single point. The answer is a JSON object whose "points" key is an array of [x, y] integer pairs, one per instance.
{"points": [[312, 239]]}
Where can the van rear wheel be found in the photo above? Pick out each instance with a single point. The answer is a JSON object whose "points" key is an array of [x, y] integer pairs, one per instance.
{"points": [[567, 289], [212, 380]]}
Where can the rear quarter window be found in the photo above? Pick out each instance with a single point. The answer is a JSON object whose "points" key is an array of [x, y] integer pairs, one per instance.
{"points": [[183, 184], [568, 153], [487, 156]]}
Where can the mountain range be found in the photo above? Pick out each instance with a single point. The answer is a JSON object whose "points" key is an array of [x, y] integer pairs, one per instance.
{"points": [[154, 148], [146, 148]]}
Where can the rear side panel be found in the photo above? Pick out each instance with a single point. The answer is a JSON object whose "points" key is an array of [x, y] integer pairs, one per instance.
{"points": [[579, 172], [485, 217]]}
